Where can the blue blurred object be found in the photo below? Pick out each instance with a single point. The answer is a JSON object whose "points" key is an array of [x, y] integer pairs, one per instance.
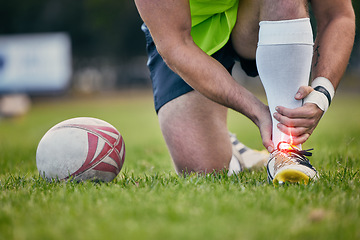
{"points": [[35, 64], [2, 62]]}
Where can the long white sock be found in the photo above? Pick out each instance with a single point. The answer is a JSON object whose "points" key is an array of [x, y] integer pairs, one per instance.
{"points": [[283, 59]]}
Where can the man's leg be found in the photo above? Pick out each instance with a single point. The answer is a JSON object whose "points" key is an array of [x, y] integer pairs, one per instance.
{"points": [[283, 62], [196, 133], [245, 33], [251, 12], [283, 57], [193, 126]]}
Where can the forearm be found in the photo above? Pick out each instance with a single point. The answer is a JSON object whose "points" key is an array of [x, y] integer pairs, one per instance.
{"points": [[210, 78], [333, 47]]}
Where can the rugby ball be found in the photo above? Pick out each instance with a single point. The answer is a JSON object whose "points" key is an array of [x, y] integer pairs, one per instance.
{"points": [[81, 149]]}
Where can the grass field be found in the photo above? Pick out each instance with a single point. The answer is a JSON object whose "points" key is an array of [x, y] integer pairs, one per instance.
{"points": [[149, 201]]}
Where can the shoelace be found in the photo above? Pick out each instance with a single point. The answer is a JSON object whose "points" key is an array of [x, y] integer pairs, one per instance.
{"points": [[300, 154], [295, 149]]}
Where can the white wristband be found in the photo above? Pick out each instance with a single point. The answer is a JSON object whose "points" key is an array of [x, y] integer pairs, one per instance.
{"points": [[323, 93]]}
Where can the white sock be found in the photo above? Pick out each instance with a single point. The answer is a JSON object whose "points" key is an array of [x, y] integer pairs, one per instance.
{"points": [[283, 59], [234, 166]]}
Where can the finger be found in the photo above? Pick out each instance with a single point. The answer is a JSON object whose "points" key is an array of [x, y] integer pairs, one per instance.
{"points": [[266, 134], [294, 122], [301, 139], [306, 111], [303, 92], [291, 131], [268, 144]]}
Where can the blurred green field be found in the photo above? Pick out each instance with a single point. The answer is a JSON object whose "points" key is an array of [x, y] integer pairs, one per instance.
{"points": [[149, 201]]}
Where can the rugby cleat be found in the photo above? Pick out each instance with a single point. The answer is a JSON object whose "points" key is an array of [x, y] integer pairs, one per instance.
{"points": [[290, 164], [248, 158]]}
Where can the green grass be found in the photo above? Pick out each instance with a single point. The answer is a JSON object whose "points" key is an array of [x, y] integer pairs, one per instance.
{"points": [[149, 201]]}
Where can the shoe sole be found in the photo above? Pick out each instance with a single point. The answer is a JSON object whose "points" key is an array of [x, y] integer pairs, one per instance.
{"points": [[291, 176]]}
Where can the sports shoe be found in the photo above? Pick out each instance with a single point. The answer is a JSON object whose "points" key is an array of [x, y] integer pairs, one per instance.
{"points": [[248, 158], [290, 164]]}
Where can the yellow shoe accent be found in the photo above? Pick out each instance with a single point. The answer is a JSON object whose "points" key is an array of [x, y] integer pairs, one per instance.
{"points": [[291, 176]]}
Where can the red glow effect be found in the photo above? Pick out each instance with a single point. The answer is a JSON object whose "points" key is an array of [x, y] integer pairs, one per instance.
{"points": [[283, 146], [291, 139]]}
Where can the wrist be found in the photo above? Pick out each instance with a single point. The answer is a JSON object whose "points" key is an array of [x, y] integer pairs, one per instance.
{"points": [[261, 113], [323, 93]]}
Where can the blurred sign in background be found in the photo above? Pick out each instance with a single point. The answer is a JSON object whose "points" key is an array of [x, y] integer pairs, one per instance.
{"points": [[37, 63], [107, 46]]}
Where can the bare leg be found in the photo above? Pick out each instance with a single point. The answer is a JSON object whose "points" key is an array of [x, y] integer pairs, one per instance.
{"points": [[196, 133], [251, 12], [245, 33], [283, 10]]}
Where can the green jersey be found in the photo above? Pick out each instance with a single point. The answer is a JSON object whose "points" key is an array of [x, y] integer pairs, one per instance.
{"points": [[212, 22]]}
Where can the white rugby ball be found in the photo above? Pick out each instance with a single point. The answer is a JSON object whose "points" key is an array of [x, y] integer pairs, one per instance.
{"points": [[81, 149]]}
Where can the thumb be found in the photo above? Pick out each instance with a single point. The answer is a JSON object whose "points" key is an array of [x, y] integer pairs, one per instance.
{"points": [[269, 146], [303, 92]]}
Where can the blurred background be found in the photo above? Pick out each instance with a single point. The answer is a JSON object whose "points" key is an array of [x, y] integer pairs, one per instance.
{"points": [[67, 47]]}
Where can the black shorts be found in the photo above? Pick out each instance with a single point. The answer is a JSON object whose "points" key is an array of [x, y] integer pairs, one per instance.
{"points": [[167, 85]]}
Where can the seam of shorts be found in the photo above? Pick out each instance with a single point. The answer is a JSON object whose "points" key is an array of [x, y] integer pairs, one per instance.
{"points": [[160, 102]]}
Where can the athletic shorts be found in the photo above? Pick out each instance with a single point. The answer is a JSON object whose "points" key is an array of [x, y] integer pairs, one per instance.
{"points": [[167, 85]]}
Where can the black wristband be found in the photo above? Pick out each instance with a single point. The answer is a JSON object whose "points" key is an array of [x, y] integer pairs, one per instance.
{"points": [[325, 92]]}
